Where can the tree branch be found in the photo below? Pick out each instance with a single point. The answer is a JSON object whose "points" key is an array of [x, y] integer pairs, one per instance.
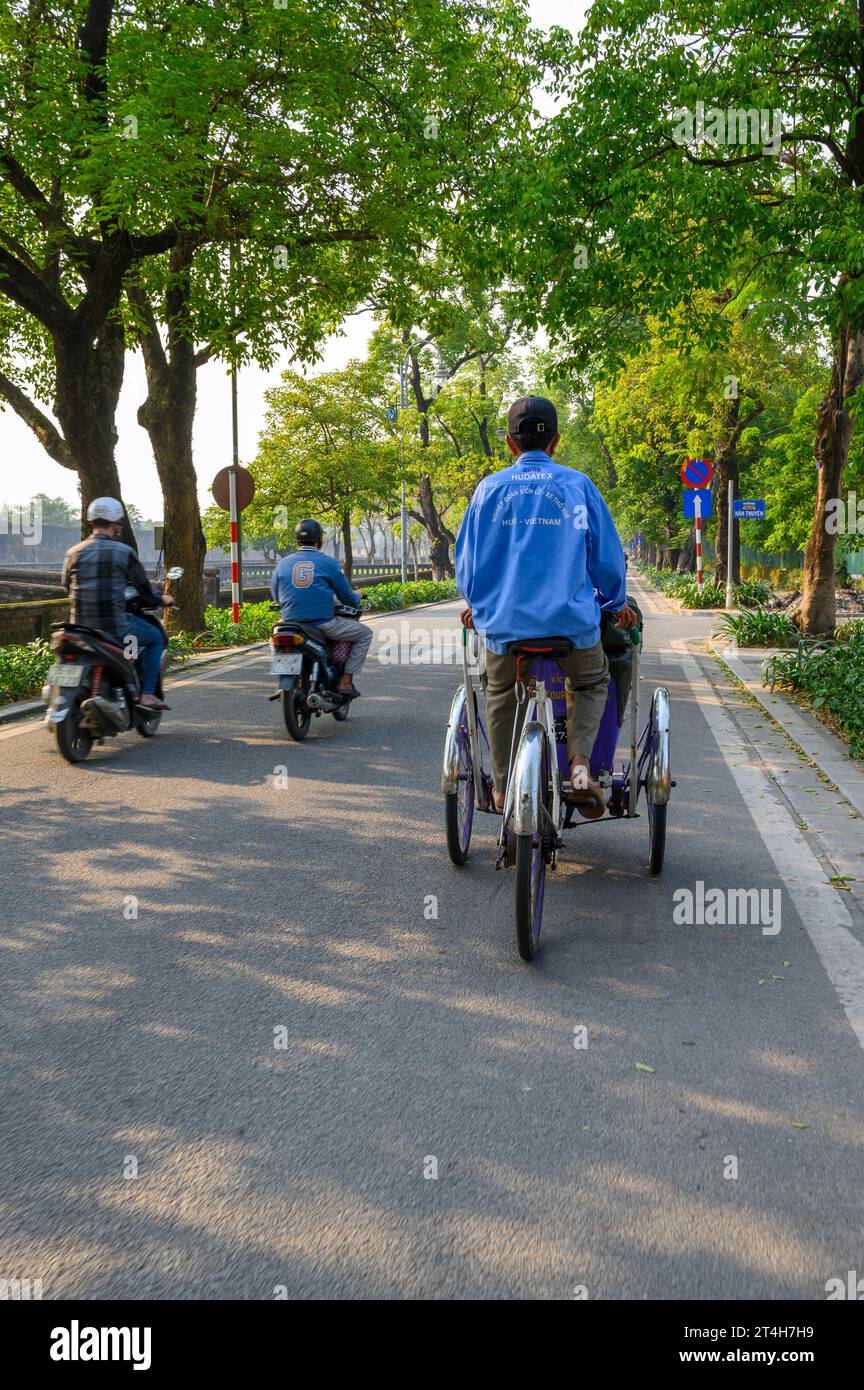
{"points": [[47, 433], [30, 293]]}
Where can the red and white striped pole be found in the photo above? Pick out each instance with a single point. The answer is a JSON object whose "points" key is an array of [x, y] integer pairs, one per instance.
{"points": [[235, 547], [697, 511]]}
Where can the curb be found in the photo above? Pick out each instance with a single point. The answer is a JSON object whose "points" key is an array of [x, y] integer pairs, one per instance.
{"points": [[827, 750]]}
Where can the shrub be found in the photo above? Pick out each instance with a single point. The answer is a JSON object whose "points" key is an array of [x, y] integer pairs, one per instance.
{"points": [[830, 676], [758, 627], [750, 593], [384, 598], [23, 670], [255, 625], [711, 595]]}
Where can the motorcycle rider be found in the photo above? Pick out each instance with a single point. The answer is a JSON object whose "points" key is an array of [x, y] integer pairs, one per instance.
{"points": [[538, 555], [96, 575], [306, 585]]}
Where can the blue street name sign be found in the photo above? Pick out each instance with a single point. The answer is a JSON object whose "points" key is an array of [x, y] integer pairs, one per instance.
{"points": [[748, 510]]}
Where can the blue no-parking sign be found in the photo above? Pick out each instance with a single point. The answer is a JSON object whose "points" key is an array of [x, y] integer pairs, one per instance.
{"points": [[704, 494], [748, 509]]}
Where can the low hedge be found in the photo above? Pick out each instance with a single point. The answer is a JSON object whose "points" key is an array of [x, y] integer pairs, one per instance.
{"points": [[829, 677]]}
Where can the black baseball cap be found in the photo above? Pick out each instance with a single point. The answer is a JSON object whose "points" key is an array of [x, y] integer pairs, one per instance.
{"points": [[534, 415]]}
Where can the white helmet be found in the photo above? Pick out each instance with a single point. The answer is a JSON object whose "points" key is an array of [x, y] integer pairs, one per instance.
{"points": [[105, 509]]}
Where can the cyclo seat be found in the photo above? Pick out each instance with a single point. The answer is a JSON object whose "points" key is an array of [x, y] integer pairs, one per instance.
{"points": [[540, 646]]}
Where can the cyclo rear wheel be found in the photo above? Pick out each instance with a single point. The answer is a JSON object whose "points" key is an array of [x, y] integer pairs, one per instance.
{"points": [[531, 855]]}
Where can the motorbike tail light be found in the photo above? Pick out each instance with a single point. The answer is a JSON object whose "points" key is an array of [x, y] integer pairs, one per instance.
{"points": [[287, 639]]}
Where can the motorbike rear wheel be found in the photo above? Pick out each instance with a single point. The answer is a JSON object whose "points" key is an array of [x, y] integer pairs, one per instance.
{"points": [[73, 741], [295, 712]]}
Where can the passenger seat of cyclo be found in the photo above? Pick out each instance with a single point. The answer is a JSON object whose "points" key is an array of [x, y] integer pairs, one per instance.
{"points": [[307, 585]]}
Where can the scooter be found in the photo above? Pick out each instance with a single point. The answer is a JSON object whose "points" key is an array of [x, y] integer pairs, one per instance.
{"points": [[94, 686], [309, 668]]}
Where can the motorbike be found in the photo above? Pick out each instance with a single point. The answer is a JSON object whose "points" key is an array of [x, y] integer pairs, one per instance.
{"points": [[93, 688], [309, 668]]}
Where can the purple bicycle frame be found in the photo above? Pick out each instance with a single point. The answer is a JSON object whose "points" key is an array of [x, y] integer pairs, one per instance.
{"points": [[603, 752]]}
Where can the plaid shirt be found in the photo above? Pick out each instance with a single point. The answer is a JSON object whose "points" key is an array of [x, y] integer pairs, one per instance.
{"points": [[96, 575]]}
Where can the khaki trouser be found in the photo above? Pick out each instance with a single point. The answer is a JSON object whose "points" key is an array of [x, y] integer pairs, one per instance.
{"points": [[587, 684], [349, 630]]}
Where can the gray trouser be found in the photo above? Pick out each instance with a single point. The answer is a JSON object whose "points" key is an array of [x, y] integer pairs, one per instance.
{"points": [[349, 630], [587, 672]]}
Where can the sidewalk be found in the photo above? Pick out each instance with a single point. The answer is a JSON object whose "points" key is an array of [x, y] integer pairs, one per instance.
{"points": [[826, 750]]}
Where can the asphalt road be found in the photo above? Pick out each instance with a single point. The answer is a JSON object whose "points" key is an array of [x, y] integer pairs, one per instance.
{"points": [[174, 909]]}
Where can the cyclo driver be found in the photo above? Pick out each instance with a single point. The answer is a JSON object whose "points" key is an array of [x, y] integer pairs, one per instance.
{"points": [[538, 555]]}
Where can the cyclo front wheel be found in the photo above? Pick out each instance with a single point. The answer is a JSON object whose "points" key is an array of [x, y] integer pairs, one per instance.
{"points": [[459, 805], [658, 775], [531, 854]]}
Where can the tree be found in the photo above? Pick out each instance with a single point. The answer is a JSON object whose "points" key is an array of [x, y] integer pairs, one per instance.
{"points": [[323, 453], [701, 140], [456, 373], [233, 139]]}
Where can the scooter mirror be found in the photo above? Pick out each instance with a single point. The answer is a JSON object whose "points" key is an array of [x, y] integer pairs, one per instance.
{"points": [[175, 572]]}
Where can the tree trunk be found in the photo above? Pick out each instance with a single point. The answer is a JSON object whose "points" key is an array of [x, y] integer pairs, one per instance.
{"points": [[87, 387], [817, 614], [440, 536], [348, 566], [687, 558], [168, 415]]}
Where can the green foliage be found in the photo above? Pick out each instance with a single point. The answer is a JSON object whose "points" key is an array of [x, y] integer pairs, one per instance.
{"points": [[830, 677], [384, 598], [711, 595], [23, 670], [685, 588], [255, 625], [752, 592], [758, 627]]}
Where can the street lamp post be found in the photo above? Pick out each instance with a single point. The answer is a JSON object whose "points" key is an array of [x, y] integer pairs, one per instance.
{"points": [[403, 510]]}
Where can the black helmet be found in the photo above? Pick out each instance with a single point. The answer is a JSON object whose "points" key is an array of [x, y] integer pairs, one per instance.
{"points": [[309, 532]]}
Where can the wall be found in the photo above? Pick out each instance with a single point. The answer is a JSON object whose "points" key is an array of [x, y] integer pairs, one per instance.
{"points": [[24, 622]]}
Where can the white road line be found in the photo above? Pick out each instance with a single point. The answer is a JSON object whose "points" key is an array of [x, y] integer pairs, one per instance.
{"points": [[819, 906]]}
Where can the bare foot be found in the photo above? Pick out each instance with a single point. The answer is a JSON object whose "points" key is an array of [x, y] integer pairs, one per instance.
{"points": [[498, 799]]}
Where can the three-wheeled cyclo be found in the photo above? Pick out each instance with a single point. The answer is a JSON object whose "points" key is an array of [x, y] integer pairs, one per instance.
{"points": [[540, 801]]}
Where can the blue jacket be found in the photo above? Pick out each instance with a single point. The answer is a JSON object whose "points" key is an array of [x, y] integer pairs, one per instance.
{"points": [[538, 555], [306, 583]]}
